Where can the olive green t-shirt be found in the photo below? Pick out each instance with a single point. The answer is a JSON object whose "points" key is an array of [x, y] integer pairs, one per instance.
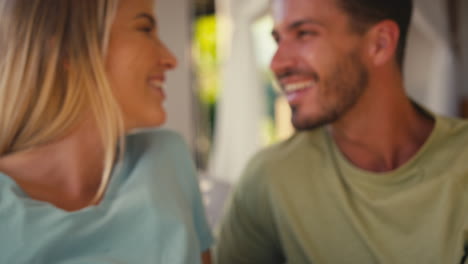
{"points": [[302, 201]]}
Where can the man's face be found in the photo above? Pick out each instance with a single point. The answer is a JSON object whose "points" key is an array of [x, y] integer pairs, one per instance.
{"points": [[318, 62]]}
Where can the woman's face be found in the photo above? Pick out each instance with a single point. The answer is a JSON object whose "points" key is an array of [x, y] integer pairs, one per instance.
{"points": [[136, 64]]}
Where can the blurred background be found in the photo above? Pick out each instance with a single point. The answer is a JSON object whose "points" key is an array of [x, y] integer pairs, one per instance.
{"points": [[221, 98]]}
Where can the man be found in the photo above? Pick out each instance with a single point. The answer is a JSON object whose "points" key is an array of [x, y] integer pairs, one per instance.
{"points": [[370, 176]]}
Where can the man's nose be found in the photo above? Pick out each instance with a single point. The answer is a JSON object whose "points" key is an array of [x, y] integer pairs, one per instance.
{"points": [[283, 59]]}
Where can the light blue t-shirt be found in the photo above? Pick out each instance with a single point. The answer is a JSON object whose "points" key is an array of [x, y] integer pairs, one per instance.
{"points": [[151, 213]]}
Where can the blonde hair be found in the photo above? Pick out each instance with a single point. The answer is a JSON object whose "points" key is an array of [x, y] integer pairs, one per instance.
{"points": [[52, 71]]}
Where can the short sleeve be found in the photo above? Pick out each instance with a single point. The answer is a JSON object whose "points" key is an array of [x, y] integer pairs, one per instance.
{"points": [[189, 178], [203, 230]]}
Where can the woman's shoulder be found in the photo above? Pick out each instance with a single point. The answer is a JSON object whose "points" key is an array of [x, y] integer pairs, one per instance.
{"points": [[162, 155], [158, 148], [160, 140], [156, 134]]}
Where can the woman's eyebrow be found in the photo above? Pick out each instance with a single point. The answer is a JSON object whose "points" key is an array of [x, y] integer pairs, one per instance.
{"points": [[147, 16]]}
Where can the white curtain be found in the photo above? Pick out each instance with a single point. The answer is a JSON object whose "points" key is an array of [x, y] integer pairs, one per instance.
{"points": [[241, 107], [431, 66]]}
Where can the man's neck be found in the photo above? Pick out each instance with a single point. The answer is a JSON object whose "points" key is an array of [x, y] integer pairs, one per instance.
{"points": [[382, 132]]}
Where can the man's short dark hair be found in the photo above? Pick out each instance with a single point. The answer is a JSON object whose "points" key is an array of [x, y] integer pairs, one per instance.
{"points": [[365, 13]]}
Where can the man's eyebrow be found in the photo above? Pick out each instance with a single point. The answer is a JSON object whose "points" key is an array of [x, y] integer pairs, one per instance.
{"points": [[298, 24], [301, 22], [147, 16]]}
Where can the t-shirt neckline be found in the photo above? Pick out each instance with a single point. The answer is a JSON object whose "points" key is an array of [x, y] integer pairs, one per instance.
{"points": [[399, 175], [107, 196]]}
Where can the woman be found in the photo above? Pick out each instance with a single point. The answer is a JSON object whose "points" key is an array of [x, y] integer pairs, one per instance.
{"points": [[75, 77]]}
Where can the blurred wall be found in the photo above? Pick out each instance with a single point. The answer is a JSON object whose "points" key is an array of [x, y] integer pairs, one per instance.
{"points": [[174, 21], [463, 29]]}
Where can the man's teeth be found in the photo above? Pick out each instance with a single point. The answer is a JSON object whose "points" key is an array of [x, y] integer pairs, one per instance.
{"points": [[156, 83], [297, 86]]}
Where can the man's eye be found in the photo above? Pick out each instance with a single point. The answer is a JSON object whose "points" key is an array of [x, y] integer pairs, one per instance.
{"points": [[276, 39], [303, 33]]}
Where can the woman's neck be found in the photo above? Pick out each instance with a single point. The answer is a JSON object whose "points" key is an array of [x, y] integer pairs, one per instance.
{"points": [[66, 172]]}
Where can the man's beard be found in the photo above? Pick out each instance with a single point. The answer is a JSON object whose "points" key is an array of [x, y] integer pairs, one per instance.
{"points": [[338, 93]]}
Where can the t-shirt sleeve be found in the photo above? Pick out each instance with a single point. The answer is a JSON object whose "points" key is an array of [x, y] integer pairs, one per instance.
{"points": [[247, 233], [203, 230], [190, 180]]}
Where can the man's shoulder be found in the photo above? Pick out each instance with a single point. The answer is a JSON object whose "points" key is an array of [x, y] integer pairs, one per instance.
{"points": [[452, 129], [295, 146], [447, 144], [453, 122], [295, 155]]}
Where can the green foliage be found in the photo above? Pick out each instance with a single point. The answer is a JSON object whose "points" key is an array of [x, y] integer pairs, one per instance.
{"points": [[206, 59]]}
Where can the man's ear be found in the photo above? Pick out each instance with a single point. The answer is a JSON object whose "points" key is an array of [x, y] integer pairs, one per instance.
{"points": [[383, 42]]}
